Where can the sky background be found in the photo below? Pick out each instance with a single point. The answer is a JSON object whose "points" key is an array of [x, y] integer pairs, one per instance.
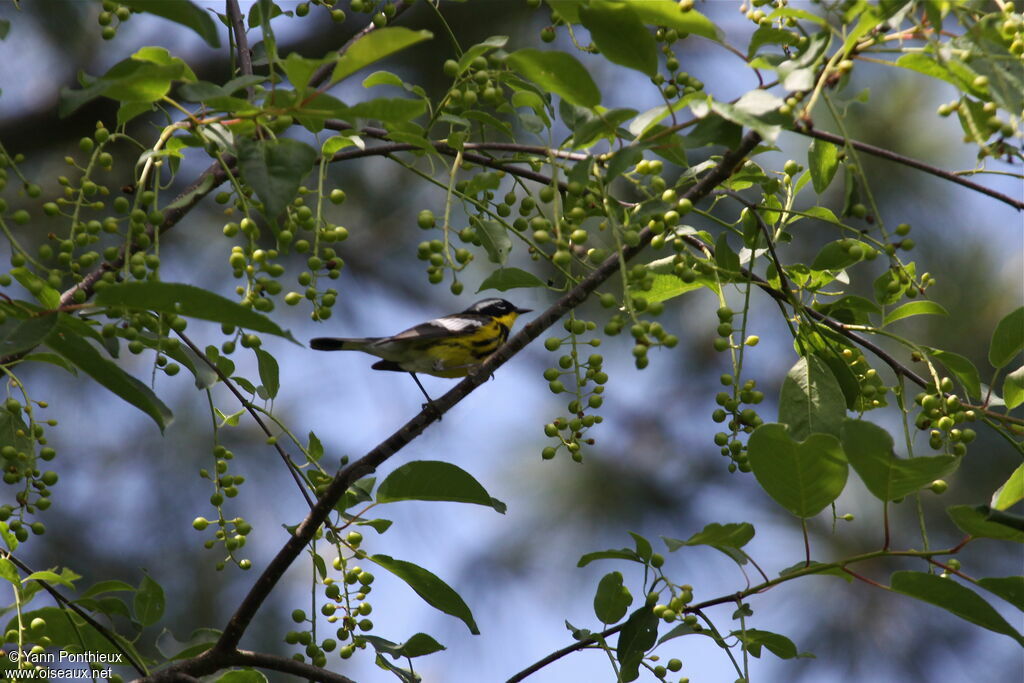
{"points": [[127, 495]]}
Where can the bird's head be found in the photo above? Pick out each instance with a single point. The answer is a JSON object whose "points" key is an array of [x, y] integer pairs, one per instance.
{"points": [[497, 308]]}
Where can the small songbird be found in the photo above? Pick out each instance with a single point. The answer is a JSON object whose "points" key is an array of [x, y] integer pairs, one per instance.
{"points": [[444, 347]]}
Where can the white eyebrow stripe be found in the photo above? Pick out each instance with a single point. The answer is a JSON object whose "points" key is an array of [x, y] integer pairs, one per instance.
{"points": [[456, 324]]}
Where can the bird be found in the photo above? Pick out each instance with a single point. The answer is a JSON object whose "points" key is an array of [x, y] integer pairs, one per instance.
{"points": [[450, 346]]}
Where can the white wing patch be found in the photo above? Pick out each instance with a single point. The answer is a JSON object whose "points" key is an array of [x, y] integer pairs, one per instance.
{"points": [[455, 324]]}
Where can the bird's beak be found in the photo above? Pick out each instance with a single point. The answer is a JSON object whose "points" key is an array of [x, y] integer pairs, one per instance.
{"points": [[520, 311]]}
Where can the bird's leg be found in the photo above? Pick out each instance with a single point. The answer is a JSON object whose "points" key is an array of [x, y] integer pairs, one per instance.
{"points": [[430, 401]]}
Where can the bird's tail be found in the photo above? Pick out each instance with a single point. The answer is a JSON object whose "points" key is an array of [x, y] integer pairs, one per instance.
{"points": [[342, 344]]}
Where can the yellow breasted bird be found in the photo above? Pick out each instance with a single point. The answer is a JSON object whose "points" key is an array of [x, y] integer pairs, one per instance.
{"points": [[444, 347]]}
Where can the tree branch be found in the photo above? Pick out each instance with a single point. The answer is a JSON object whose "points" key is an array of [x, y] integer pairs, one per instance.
{"points": [[286, 665], [912, 163], [241, 41], [567, 650], [698, 608]]}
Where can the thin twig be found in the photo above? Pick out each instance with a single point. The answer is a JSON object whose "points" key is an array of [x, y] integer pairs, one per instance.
{"points": [[241, 42], [56, 595], [293, 469], [912, 163], [567, 650], [286, 665]]}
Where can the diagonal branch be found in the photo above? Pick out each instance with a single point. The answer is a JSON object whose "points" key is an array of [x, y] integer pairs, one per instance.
{"points": [[912, 163], [68, 604]]}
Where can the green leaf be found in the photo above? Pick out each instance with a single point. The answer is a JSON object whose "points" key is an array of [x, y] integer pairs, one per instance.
{"points": [[53, 359], [315, 448], [382, 78], [1013, 388], [181, 12], [14, 432], [927, 65], [187, 300], [392, 110], [811, 400], [687, 630], [269, 373], [481, 48], [559, 73], [754, 639], [768, 35], [49, 577], [18, 335], [242, 676], [275, 169], [623, 159], [823, 569], [961, 367], [1008, 339], [68, 344], [1010, 588], [495, 240], [149, 602], [643, 546], [638, 635], [508, 278], [622, 554], [620, 35], [869, 448], [374, 46], [823, 214], [726, 538], [378, 525], [914, 308], [851, 309], [37, 287], [757, 110], [129, 81], [300, 69], [668, 285], [603, 124], [667, 13], [199, 641], [435, 480], [612, 598], [108, 586], [418, 645], [1011, 492], [725, 257], [733, 535], [433, 590], [823, 161], [9, 572], [800, 72], [955, 598], [888, 288], [803, 477], [835, 256], [975, 521]]}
